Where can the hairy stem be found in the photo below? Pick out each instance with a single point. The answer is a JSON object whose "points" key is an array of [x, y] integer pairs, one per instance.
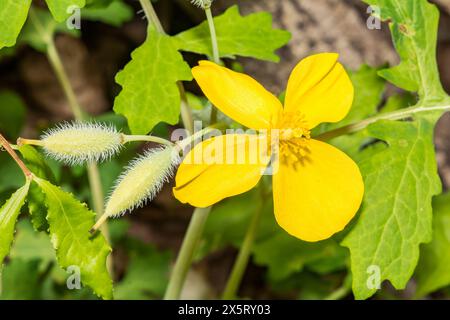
{"points": [[212, 31], [184, 259], [151, 15], [3, 142], [240, 265], [395, 115], [131, 138]]}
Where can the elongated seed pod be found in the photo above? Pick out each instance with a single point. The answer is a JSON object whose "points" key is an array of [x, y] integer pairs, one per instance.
{"points": [[141, 181], [79, 142]]}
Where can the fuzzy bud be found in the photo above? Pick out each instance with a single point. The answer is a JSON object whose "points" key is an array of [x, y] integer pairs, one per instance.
{"points": [[141, 181], [78, 142]]}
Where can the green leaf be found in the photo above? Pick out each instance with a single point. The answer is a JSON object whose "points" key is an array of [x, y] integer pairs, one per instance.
{"points": [[433, 271], [147, 274], [70, 222], [8, 216], [36, 199], [149, 84], [116, 13], [395, 217], [249, 36], [12, 114], [60, 9], [414, 26], [13, 15]]}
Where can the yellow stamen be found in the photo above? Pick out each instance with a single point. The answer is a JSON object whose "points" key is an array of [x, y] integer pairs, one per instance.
{"points": [[294, 138]]}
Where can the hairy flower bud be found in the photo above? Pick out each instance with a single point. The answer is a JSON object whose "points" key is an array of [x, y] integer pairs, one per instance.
{"points": [[78, 142], [141, 181]]}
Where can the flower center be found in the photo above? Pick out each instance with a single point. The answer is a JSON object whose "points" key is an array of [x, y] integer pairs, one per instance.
{"points": [[294, 138]]}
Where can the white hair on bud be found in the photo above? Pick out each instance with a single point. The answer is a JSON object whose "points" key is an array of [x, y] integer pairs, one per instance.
{"points": [[142, 180], [79, 142], [204, 4]]}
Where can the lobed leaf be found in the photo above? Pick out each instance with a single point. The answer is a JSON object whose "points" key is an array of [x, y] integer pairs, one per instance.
{"points": [[414, 26], [395, 218], [149, 84], [249, 36]]}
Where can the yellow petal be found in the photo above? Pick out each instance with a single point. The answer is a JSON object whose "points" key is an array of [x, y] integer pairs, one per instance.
{"points": [[318, 198], [237, 95], [320, 89], [221, 167]]}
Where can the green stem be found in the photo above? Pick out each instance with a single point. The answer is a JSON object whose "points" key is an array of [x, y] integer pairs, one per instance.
{"points": [[212, 31], [63, 79], [186, 254], [151, 15], [241, 262], [395, 115], [197, 135], [216, 56], [131, 138], [186, 114]]}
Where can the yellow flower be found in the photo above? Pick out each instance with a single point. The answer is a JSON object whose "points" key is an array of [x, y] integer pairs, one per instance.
{"points": [[317, 189]]}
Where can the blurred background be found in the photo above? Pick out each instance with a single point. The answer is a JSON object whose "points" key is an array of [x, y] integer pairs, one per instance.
{"points": [[146, 241]]}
